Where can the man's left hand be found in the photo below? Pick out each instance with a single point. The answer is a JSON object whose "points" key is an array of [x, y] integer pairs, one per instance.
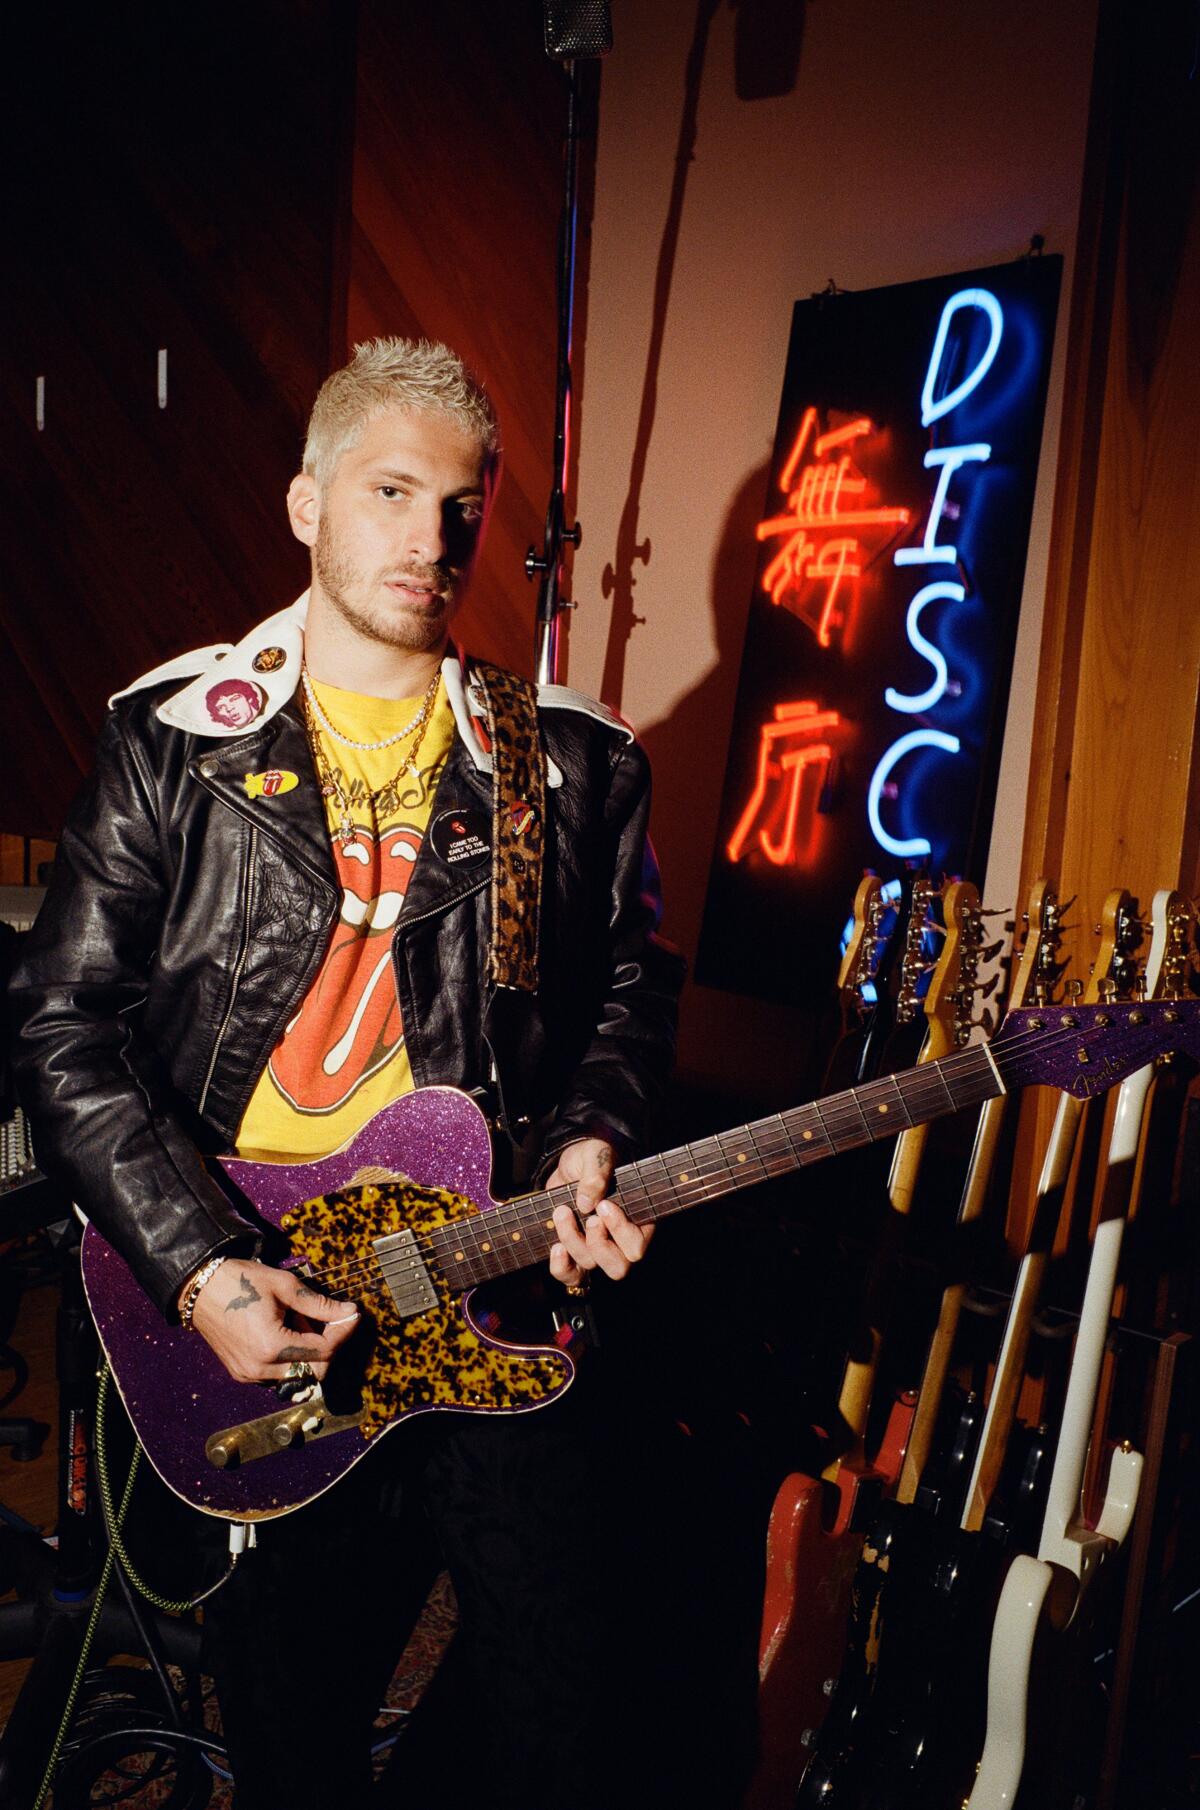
{"points": [[609, 1241]]}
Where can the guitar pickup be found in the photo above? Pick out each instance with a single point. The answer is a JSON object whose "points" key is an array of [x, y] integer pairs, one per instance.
{"points": [[404, 1271]]}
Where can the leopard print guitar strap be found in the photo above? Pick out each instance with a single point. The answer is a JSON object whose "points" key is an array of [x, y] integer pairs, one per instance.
{"points": [[519, 824]]}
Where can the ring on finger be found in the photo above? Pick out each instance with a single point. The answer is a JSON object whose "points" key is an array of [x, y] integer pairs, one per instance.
{"points": [[297, 1378]]}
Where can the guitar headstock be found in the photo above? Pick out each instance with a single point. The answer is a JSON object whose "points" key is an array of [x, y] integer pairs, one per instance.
{"points": [[1086, 1049], [1115, 973], [1038, 969], [950, 998], [915, 963], [1176, 971], [861, 960]]}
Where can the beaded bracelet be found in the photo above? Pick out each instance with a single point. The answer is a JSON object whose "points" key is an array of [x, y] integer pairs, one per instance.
{"points": [[204, 1274]]}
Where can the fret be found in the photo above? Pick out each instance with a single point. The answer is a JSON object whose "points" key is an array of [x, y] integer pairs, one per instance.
{"points": [[752, 1134], [633, 1192], [742, 1158], [783, 1158], [849, 1129]]}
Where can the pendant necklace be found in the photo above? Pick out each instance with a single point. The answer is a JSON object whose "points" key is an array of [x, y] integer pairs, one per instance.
{"points": [[331, 784]]}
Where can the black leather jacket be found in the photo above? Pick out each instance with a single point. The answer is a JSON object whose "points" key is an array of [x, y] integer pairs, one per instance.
{"points": [[185, 921]]}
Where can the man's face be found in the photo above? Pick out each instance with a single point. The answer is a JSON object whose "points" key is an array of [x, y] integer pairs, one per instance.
{"points": [[397, 529]]}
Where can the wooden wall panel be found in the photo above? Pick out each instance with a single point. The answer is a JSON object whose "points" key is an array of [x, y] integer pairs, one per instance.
{"points": [[179, 178], [1120, 766], [457, 169], [1114, 795]]}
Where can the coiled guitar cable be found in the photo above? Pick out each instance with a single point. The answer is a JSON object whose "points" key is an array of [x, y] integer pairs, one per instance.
{"points": [[114, 1518]]}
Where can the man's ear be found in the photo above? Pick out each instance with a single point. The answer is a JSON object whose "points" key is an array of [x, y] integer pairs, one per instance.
{"points": [[304, 508]]}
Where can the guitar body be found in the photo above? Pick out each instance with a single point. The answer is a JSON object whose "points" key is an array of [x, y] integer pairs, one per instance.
{"points": [[437, 1356], [891, 1604], [814, 1540]]}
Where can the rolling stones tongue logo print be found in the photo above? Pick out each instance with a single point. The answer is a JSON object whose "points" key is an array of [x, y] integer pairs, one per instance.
{"points": [[349, 1024]]}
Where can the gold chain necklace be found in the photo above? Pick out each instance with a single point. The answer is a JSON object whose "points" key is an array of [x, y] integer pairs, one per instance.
{"points": [[331, 785], [397, 735]]}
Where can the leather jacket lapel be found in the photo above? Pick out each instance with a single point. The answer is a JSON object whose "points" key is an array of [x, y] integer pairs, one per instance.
{"points": [[295, 818], [436, 883], [290, 811]]}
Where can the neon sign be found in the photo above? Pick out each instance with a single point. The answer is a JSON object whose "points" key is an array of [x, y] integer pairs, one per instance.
{"points": [[804, 760], [825, 498], [948, 461], [878, 649]]}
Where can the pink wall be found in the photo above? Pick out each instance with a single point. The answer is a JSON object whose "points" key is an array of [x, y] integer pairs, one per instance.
{"points": [[918, 138]]}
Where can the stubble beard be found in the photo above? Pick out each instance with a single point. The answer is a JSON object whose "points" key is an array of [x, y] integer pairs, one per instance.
{"points": [[408, 629]]}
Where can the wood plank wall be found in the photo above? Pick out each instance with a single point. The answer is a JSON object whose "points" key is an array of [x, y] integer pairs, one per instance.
{"points": [[187, 183], [459, 125], [1114, 797], [179, 179]]}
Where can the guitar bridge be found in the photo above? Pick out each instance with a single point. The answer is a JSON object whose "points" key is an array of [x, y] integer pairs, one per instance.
{"points": [[409, 1282]]}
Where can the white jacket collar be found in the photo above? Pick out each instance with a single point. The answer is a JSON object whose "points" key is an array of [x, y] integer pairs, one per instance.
{"points": [[234, 688]]}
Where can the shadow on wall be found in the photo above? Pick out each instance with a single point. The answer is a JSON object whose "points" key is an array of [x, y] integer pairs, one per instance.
{"points": [[755, 1055], [767, 42], [619, 580], [724, 1039]]}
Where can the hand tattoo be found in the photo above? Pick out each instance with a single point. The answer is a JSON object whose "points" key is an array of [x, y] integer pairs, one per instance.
{"points": [[246, 1296]]}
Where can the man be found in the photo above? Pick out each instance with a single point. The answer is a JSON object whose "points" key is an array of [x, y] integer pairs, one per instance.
{"points": [[270, 914]]}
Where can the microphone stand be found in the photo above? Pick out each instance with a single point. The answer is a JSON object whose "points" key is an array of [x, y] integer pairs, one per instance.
{"points": [[548, 564]]}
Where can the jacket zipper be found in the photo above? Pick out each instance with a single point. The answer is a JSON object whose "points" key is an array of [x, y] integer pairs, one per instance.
{"points": [[431, 911], [243, 951]]}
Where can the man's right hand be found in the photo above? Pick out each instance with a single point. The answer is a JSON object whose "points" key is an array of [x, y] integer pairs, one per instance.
{"points": [[260, 1320]]}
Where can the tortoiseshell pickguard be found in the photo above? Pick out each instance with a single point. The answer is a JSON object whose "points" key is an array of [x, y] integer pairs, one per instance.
{"points": [[434, 1359]]}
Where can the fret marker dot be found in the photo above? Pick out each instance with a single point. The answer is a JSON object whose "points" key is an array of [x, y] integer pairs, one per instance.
{"points": [[549, 1225], [808, 1136], [459, 1255], [685, 1177], [741, 1156], [485, 1246], [883, 1109], [516, 1237]]}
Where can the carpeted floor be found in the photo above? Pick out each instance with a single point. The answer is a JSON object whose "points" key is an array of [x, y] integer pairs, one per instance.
{"points": [[127, 1689]]}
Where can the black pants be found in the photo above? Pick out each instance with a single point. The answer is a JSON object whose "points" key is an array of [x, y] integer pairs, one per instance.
{"points": [[305, 1636]]}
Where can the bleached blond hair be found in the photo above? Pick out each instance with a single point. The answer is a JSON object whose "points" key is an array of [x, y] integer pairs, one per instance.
{"points": [[418, 374]]}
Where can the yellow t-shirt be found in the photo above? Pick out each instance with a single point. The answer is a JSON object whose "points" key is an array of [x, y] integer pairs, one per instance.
{"points": [[343, 1057]]}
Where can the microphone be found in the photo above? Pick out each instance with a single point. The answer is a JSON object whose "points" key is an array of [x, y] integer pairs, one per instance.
{"points": [[577, 28]]}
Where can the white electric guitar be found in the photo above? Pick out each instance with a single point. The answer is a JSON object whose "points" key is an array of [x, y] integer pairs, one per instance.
{"points": [[1050, 1590]]}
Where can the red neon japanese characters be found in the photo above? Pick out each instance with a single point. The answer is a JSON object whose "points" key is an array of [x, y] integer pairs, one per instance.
{"points": [[826, 511], [787, 768]]}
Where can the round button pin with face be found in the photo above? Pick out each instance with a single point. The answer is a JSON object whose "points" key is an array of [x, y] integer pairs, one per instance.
{"points": [[234, 703]]}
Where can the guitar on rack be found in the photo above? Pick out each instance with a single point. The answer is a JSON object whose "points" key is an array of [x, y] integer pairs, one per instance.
{"points": [[1046, 1601], [402, 1221], [816, 1526], [929, 1489], [869, 979], [928, 1726]]}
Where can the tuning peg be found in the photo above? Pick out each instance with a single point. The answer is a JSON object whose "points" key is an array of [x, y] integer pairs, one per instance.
{"points": [[989, 986], [991, 952], [997, 912]]}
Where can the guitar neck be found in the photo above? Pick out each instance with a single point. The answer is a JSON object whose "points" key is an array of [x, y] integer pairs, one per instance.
{"points": [[515, 1236]]}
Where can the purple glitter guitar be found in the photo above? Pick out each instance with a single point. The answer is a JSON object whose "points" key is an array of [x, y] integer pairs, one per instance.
{"points": [[402, 1221]]}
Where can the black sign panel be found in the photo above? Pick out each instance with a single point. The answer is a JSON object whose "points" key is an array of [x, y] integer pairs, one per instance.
{"points": [[879, 647]]}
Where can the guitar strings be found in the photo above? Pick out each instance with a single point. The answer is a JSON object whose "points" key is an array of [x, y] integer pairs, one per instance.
{"points": [[774, 1152], [772, 1144]]}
